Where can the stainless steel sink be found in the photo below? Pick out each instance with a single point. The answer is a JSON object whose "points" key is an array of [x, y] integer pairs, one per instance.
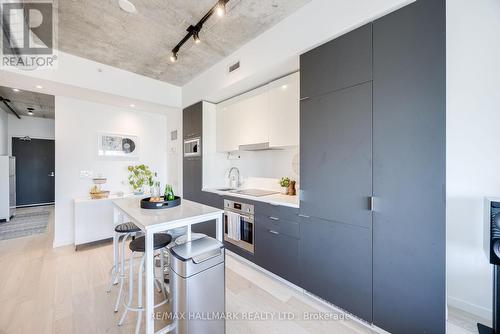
{"points": [[225, 189]]}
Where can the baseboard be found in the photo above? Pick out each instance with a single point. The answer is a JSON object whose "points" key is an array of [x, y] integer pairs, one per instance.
{"points": [[306, 293], [62, 243], [480, 311]]}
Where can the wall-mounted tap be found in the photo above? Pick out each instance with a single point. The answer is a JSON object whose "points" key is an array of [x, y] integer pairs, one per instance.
{"points": [[234, 182]]}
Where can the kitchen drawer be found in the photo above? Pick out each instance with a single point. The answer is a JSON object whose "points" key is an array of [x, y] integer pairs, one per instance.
{"points": [[278, 225], [277, 211], [277, 253]]}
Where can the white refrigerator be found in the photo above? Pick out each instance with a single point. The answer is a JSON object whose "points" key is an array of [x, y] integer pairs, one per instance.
{"points": [[7, 187]]}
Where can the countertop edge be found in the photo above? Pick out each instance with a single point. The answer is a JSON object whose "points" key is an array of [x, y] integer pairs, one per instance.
{"points": [[252, 198]]}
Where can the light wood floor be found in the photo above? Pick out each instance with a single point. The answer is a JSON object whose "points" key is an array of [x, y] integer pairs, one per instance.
{"points": [[46, 290]]}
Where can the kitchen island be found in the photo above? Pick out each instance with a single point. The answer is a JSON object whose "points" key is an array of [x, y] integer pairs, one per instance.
{"points": [[154, 221]]}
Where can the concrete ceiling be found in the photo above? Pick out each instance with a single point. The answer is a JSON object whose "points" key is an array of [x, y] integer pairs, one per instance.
{"points": [[141, 42], [42, 104]]}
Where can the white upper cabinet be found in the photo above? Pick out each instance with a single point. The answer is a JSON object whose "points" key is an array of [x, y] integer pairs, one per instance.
{"points": [[284, 111], [268, 114]]}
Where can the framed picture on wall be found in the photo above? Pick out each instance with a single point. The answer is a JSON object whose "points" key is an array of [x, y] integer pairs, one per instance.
{"points": [[117, 146]]}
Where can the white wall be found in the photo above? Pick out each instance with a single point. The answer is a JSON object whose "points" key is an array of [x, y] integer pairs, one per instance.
{"points": [[76, 127], [3, 132], [34, 127], [274, 53], [473, 135]]}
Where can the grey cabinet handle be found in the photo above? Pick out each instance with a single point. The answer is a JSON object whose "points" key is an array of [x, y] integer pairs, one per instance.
{"points": [[304, 98], [274, 232], [303, 216], [274, 218], [371, 203]]}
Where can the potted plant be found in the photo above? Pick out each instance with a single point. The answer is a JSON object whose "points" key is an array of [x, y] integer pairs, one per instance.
{"points": [[284, 183], [138, 177]]}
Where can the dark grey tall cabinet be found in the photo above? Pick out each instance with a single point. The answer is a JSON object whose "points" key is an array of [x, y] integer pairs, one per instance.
{"points": [[409, 110], [373, 170], [192, 176]]}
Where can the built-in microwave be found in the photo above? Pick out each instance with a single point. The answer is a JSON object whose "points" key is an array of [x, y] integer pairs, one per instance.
{"points": [[192, 147]]}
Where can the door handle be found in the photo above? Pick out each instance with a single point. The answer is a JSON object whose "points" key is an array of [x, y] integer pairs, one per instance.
{"points": [[274, 232], [274, 218], [371, 203], [52, 174]]}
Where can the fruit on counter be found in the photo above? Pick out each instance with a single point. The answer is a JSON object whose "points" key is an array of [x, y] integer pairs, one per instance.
{"points": [[156, 199]]}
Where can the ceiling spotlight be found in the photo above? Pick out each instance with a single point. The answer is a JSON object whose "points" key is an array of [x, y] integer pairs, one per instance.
{"points": [[173, 57], [39, 86], [132, 105], [16, 90], [196, 37], [127, 6], [30, 111], [221, 8]]}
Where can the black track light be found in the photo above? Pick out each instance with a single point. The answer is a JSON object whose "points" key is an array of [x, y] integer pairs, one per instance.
{"points": [[196, 37], [221, 8], [194, 30], [173, 57]]}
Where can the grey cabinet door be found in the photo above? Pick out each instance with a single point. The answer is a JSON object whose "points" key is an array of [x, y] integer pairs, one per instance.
{"points": [[409, 169], [192, 120], [192, 179], [336, 264], [341, 63], [336, 155], [276, 252]]}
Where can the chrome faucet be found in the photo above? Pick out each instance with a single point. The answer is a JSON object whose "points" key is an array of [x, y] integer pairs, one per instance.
{"points": [[234, 183]]}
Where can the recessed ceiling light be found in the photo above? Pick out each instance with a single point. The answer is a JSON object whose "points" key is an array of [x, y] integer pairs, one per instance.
{"points": [[127, 6], [16, 90], [39, 86], [284, 86], [132, 105]]}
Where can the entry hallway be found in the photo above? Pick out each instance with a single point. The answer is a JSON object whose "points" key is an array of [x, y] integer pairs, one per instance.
{"points": [[47, 290]]}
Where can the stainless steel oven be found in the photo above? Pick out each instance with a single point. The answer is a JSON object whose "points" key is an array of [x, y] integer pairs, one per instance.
{"points": [[192, 147], [239, 225]]}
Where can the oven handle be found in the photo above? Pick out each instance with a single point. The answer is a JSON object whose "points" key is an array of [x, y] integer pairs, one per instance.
{"points": [[248, 217]]}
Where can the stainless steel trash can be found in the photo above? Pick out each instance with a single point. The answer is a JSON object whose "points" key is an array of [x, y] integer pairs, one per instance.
{"points": [[197, 282]]}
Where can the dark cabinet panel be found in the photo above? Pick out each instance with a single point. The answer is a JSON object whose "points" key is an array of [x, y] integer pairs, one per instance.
{"points": [[277, 252], [336, 155], [192, 120], [279, 224], [341, 63], [409, 169], [336, 264], [272, 210], [192, 179], [215, 201]]}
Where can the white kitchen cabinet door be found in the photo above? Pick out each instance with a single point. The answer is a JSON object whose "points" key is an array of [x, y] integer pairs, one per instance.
{"points": [[284, 111], [228, 128], [253, 115]]}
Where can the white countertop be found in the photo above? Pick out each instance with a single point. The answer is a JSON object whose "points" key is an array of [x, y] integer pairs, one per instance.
{"points": [[187, 211], [87, 198], [276, 199]]}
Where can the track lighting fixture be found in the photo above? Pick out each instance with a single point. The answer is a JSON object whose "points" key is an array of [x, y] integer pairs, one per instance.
{"points": [[173, 57], [194, 30], [30, 111], [196, 37], [221, 8]]}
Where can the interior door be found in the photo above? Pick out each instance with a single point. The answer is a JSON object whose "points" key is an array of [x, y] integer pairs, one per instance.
{"points": [[35, 172]]}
